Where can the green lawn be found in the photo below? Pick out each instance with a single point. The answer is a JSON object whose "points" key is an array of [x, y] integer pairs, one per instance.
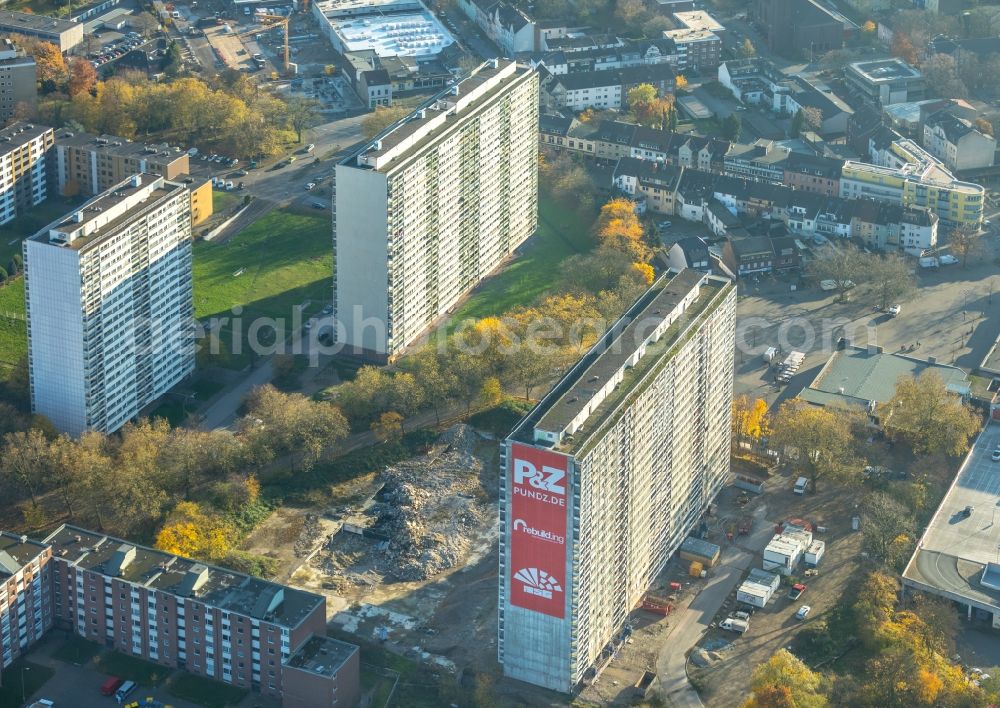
{"points": [[13, 330], [144, 673], [44, 214], [77, 650], [282, 260], [224, 201], [205, 692], [12, 693], [561, 234]]}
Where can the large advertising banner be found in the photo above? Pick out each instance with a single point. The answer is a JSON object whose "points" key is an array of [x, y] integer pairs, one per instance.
{"points": [[538, 519]]}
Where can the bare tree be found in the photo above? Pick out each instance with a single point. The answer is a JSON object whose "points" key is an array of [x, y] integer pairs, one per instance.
{"points": [[844, 265], [964, 243], [888, 278]]}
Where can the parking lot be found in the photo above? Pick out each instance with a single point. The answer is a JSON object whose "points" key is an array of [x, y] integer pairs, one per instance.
{"points": [[953, 316]]}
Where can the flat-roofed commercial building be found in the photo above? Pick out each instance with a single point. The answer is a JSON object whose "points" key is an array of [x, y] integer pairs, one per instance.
{"points": [[606, 476], [885, 81], [907, 174], [387, 27], [25, 595], [433, 205], [956, 557], [23, 177], [65, 34], [109, 305]]}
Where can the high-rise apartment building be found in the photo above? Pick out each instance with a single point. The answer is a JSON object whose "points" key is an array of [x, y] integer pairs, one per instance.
{"points": [[18, 81], [22, 168], [603, 480], [432, 205], [25, 595], [109, 305]]}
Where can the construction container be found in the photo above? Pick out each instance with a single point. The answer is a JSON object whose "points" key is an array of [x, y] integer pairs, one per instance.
{"points": [[695, 549], [696, 569]]}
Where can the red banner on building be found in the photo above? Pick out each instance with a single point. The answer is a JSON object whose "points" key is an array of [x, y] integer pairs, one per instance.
{"points": [[538, 522]]}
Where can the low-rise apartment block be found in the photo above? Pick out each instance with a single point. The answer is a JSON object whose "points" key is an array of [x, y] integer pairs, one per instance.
{"points": [[25, 595], [606, 89], [698, 39], [109, 305], [958, 144], [611, 140], [606, 476], [65, 34], [623, 54], [83, 163], [18, 81], [508, 26], [23, 177], [207, 620], [433, 205]]}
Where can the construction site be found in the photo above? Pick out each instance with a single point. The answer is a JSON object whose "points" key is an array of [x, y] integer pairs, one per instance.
{"points": [[408, 557]]}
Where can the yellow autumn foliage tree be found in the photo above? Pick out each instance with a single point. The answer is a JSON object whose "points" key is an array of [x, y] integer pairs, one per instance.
{"points": [[618, 225], [749, 418], [193, 533], [644, 271]]}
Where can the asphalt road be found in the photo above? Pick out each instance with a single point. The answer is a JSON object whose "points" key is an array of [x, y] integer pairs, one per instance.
{"points": [[693, 621], [286, 184]]}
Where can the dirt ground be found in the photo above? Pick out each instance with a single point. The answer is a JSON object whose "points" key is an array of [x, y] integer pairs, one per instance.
{"points": [[448, 620], [726, 681]]}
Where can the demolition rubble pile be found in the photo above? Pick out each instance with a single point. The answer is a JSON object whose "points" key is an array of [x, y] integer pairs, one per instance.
{"points": [[423, 518]]}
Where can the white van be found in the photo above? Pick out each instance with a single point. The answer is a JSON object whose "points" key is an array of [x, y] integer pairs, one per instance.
{"points": [[800, 485], [124, 691]]}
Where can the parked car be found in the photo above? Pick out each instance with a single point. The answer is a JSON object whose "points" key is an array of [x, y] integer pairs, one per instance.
{"points": [[996, 455], [894, 310], [803, 612], [310, 186], [230, 185], [795, 592], [111, 685], [947, 259]]}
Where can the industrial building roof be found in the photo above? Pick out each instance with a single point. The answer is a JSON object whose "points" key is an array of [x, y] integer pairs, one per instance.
{"points": [[12, 21], [226, 589], [957, 555], [858, 375]]}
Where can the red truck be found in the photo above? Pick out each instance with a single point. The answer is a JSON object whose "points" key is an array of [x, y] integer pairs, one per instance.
{"points": [[109, 687]]}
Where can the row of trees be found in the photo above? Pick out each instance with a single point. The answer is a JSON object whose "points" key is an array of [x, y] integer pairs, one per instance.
{"points": [[518, 350], [922, 413], [885, 277], [231, 113], [129, 482], [906, 650]]}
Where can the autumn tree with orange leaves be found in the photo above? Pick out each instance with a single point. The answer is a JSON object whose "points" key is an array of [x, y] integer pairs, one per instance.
{"points": [[82, 77], [619, 226]]}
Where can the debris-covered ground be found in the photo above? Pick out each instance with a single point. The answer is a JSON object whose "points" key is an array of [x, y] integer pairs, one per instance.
{"points": [[428, 512]]}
